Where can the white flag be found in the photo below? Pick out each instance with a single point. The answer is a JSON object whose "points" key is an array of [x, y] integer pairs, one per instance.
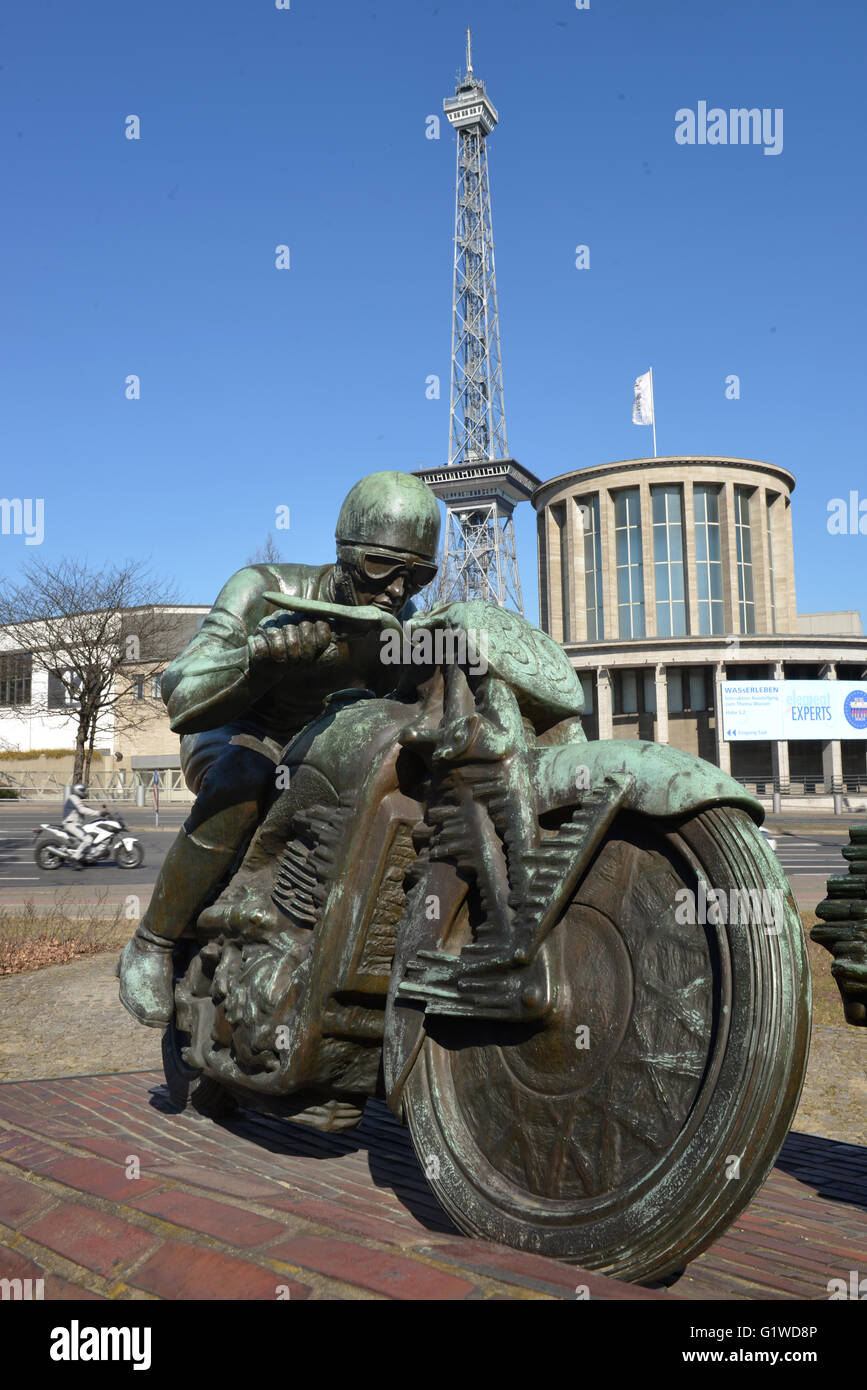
{"points": [[642, 407]]}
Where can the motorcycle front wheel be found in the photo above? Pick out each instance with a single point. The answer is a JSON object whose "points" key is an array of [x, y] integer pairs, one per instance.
{"points": [[628, 1129], [129, 858]]}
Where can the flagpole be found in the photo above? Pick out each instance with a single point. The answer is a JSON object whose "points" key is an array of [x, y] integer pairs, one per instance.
{"points": [[653, 412]]}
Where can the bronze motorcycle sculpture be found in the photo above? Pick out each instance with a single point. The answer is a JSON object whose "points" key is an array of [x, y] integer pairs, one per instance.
{"points": [[522, 941]]}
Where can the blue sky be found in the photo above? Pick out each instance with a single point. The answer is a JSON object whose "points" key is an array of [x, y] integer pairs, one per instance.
{"points": [[263, 388]]}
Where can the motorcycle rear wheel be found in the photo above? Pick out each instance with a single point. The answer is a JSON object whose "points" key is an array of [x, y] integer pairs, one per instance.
{"points": [[629, 1129], [46, 857]]}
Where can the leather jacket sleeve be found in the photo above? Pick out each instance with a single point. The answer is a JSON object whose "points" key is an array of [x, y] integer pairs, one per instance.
{"points": [[212, 682]]}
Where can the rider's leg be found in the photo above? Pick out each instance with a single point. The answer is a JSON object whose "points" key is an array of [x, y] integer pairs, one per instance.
{"points": [[232, 794], [82, 838]]}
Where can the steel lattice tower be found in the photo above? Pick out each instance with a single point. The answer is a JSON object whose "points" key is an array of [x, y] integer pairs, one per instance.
{"points": [[481, 484]]}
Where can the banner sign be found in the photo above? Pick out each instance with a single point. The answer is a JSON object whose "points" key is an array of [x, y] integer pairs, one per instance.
{"points": [[783, 710]]}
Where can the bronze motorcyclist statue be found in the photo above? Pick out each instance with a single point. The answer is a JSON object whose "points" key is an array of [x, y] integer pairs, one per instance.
{"points": [[408, 875], [250, 679]]}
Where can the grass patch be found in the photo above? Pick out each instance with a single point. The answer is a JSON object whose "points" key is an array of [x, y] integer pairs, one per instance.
{"points": [[32, 938]]}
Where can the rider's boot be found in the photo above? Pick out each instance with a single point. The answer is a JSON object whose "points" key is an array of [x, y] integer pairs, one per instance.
{"points": [[192, 869]]}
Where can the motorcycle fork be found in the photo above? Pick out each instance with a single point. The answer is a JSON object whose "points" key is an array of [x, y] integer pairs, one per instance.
{"points": [[502, 973]]}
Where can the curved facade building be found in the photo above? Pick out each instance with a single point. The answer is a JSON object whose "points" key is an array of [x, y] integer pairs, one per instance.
{"points": [[661, 578]]}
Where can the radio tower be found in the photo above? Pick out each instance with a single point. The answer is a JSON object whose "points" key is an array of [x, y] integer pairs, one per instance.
{"points": [[481, 485]]}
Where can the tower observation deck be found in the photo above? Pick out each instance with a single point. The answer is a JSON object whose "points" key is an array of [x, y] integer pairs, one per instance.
{"points": [[481, 484]]}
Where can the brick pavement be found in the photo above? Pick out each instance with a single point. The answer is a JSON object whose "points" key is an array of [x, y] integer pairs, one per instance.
{"points": [[259, 1209]]}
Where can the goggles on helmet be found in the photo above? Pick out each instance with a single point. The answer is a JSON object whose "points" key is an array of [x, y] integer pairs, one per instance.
{"points": [[379, 567]]}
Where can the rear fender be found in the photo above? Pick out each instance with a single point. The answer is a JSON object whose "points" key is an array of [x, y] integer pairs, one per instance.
{"points": [[667, 783]]}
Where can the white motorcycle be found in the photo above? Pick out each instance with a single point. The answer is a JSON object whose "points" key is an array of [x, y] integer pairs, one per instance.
{"points": [[109, 839]]}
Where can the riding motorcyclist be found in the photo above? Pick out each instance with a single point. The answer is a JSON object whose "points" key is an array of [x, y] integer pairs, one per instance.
{"points": [[75, 812], [250, 679]]}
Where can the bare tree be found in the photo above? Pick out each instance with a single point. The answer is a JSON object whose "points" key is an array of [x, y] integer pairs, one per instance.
{"points": [[267, 554], [96, 632]]}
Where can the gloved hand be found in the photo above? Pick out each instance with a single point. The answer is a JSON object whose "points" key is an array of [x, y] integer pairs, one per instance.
{"points": [[281, 638]]}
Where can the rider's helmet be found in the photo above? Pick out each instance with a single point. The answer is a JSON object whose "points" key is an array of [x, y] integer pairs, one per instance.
{"points": [[79, 789], [387, 537]]}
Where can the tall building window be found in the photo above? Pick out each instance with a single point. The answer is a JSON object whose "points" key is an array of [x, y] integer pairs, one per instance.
{"points": [[545, 588], [558, 516], [708, 560], [588, 524], [746, 598], [634, 692], [16, 670], [57, 697], [688, 689], [668, 561], [769, 515], [630, 566]]}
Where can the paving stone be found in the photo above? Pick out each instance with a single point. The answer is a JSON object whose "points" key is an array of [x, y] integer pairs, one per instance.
{"points": [[393, 1275], [230, 1224], [91, 1238], [347, 1217], [21, 1200], [99, 1178], [363, 1190], [178, 1271], [64, 1290], [118, 1150], [14, 1265], [495, 1261], [232, 1184]]}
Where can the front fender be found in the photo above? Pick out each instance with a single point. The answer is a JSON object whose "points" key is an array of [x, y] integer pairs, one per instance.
{"points": [[667, 781]]}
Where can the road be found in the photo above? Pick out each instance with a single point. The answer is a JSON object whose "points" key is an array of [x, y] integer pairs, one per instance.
{"points": [[22, 881], [808, 856]]}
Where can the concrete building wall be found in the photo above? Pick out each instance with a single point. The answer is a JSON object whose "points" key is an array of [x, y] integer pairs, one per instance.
{"points": [[665, 687], [139, 727], [846, 624], [769, 491]]}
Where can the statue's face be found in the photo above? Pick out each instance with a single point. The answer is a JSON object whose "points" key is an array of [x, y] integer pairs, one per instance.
{"points": [[382, 577]]}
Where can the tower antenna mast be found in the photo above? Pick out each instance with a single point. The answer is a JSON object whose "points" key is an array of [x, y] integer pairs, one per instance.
{"points": [[481, 484]]}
